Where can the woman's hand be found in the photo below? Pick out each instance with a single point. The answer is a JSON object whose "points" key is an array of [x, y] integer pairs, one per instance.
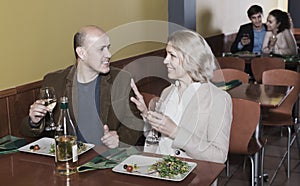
{"points": [[162, 124], [139, 100], [272, 41]]}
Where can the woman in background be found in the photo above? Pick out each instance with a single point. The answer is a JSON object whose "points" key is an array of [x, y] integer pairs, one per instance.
{"points": [[279, 38], [197, 117]]}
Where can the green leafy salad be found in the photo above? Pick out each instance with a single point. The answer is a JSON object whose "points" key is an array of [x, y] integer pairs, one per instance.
{"points": [[170, 167]]}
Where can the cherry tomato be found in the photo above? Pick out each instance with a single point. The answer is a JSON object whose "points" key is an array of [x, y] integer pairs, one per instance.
{"points": [[129, 168], [36, 147]]}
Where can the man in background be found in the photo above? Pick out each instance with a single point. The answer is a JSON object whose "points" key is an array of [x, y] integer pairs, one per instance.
{"points": [[250, 36]]}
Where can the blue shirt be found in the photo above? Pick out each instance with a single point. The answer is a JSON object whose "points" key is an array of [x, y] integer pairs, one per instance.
{"points": [[259, 36]]}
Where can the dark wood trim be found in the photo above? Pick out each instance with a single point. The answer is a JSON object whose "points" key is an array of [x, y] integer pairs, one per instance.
{"points": [[216, 44], [8, 92], [29, 86], [228, 40]]}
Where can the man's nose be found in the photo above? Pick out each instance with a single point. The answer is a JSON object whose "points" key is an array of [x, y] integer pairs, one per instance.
{"points": [[107, 53]]}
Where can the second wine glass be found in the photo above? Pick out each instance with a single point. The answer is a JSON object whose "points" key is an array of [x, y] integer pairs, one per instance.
{"points": [[47, 94], [155, 105]]}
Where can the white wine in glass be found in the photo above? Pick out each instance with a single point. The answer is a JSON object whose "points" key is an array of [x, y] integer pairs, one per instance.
{"points": [[155, 105], [50, 103], [47, 94]]}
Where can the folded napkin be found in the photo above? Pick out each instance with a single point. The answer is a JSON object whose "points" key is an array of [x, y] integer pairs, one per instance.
{"points": [[10, 144], [228, 85], [108, 159]]}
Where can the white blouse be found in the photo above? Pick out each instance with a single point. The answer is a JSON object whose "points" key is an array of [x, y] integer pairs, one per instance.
{"points": [[174, 108]]}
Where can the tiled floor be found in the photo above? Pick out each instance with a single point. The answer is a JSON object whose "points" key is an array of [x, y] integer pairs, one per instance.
{"points": [[274, 150]]}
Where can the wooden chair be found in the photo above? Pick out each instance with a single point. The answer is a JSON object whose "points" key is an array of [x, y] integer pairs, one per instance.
{"points": [[261, 64], [147, 97], [231, 62], [282, 115], [246, 116], [153, 85], [227, 75]]}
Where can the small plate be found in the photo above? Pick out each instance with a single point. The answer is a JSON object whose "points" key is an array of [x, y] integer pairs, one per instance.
{"points": [[143, 163], [45, 144]]}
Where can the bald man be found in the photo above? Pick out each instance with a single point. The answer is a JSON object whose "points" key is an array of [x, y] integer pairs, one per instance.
{"points": [[98, 96]]}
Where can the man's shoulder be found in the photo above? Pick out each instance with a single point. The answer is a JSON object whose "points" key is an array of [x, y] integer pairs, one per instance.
{"points": [[59, 73], [246, 26]]}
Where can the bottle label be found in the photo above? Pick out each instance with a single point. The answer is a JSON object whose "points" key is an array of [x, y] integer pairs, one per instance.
{"points": [[74, 152]]}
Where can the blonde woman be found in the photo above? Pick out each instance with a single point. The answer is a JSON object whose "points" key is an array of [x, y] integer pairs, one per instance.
{"points": [[197, 117]]}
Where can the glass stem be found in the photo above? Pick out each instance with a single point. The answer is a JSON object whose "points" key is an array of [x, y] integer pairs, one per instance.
{"points": [[51, 121]]}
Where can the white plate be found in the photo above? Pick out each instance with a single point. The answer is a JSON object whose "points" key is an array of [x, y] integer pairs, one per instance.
{"points": [[45, 144], [143, 163]]}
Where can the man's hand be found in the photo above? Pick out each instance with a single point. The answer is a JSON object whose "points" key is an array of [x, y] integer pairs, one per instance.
{"points": [[37, 111], [245, 40], [110, 138]]}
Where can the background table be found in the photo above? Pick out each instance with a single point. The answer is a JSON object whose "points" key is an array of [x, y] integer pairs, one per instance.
{"points": [[268, 96]]}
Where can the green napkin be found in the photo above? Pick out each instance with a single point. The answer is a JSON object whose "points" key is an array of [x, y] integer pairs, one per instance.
{"points": [[228, 85], [10, 144], [227, 54], [108, 159]]}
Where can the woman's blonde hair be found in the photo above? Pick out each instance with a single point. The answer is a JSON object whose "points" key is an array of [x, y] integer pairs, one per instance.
{"points": [[198, 59]]}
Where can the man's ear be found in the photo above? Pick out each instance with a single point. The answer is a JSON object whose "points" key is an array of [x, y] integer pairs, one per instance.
{"points": [[81, 52]]}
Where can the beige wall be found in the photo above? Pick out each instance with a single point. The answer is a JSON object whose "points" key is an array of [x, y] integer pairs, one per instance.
{"points": [[36, 35], [225, 16]]}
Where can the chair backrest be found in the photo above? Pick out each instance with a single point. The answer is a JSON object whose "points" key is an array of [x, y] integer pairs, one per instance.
{"points": [[229, 75], [231, 62], [246, 115], [261, 64], [152, 85], [147, 97], [284, 77]]}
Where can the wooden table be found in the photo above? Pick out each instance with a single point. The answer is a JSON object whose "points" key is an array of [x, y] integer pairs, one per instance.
{"points": [[31, 169], [266, 95], [269, 96]]}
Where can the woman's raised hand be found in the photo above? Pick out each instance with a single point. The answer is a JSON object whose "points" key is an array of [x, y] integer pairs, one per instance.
{"points": [[138, 100]]}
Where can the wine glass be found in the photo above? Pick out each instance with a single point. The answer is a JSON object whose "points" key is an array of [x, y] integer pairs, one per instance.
{"points": [[155, 105], [272, 41], [47, 94]]}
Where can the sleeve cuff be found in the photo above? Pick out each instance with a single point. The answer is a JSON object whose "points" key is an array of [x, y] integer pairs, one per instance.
{"points": [[34, 125], [182, 137]]}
